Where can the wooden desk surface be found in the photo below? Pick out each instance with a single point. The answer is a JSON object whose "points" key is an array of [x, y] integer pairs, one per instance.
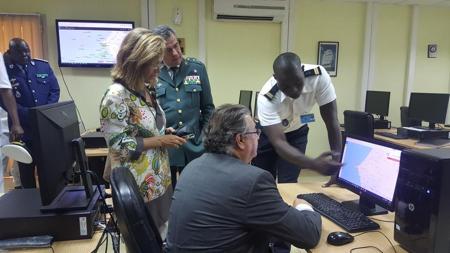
{"points": [[289, 193], [408, 143], [76, 246], [92, 152]]}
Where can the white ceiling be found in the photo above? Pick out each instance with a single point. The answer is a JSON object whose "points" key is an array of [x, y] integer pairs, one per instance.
{"points": [[409, 2]]}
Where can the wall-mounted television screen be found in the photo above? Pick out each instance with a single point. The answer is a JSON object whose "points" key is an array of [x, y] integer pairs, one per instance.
{"points": [[88, 43]]}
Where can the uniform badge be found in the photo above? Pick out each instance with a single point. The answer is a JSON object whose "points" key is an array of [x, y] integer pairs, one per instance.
{"points": [[195, 71], [307, 118], [191, 80], [18, 95], [32, 63], [11, 66], [41, 75], [285, 122]]}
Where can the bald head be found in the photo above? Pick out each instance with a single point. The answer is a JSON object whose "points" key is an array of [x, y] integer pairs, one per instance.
{"points": [[287, 69], [286, 63], [19, 51]]}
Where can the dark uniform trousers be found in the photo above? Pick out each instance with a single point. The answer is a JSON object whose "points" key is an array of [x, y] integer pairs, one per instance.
{"points": [[269, 160], [27, 177]]}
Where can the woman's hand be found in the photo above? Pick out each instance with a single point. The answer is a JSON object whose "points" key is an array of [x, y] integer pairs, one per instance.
{"points": [[171, 141], [170, 130]]}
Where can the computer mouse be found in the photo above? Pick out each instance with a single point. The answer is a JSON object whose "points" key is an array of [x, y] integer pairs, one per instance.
{"points": [[339, 238]]}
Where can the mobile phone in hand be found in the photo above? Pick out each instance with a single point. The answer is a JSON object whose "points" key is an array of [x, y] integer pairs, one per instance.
{"points": [[188, 136]]}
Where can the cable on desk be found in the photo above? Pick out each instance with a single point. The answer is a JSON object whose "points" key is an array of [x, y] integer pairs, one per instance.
{"points": [[374, 246], [53, 250], [366, 247], [389, 221]]}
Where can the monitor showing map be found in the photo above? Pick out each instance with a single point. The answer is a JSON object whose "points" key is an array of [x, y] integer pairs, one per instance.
{"points": [[83, 43], [370, 169]]}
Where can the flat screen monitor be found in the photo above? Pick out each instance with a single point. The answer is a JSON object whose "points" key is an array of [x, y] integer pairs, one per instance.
{"points": [[245, 98], [54, 128], [377, 102], [370, 169], [84, 43], [430, 107]]}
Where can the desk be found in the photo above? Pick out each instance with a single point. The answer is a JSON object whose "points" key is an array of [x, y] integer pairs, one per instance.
{"points": [[77, 246], [289, 193], [407, 143], [96, 152]]}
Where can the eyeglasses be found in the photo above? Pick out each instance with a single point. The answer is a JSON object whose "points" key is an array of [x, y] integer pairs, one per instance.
{"points": [[257, 131]]}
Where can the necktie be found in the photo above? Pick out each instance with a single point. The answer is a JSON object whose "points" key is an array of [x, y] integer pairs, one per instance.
{"points": [[173, 72]]}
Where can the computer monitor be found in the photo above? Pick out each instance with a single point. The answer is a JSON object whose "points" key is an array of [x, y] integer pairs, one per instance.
{"points": [[377, 102], [255, 110], [54, 128], [245, 98], [370, 169], [430, 107]]}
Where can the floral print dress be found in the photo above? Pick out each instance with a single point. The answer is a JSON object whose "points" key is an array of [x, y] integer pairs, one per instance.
{"points": [[126, 119]]}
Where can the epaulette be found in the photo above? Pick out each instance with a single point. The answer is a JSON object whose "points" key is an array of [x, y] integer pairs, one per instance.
{"points": [[42, 60], [271, 94], [312, 72], [193, 60]]}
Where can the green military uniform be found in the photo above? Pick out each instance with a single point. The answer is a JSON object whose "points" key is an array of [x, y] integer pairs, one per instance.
{"points": [[186, 100]]}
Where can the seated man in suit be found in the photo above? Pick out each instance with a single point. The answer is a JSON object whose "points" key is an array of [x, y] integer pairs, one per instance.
{"points": [[223, 204]]}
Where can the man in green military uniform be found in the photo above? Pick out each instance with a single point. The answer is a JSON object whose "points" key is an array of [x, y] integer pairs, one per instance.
{"points": [[184, 93]]}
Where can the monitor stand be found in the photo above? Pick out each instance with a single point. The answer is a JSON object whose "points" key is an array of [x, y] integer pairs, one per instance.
{"points": [[365, 206], [71, 198], [435, 141]]}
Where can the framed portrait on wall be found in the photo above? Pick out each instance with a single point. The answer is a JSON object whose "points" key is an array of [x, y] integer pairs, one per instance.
{"points": [[327, 56]]}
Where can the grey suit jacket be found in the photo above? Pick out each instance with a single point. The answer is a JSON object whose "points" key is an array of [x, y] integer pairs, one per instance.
{"points": [[221, 204]]}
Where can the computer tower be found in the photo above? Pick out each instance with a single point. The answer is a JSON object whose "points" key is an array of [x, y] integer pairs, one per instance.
{"points": [[422, 213]]}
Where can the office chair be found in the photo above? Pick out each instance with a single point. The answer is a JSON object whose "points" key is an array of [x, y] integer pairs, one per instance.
{"points": [[133, 218], [405, 120], [358, 123], [245, 98]]}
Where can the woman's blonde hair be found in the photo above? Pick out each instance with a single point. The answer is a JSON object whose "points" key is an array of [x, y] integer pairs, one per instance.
{"points": [[140, 49]]}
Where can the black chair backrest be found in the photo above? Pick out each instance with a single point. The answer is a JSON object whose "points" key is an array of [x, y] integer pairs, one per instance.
{"points": [[255, 111], [245, 98], [405, 120], [358, 123], [133, 218]]}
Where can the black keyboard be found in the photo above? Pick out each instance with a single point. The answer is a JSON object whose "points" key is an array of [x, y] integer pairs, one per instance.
{"points": [[349, 219], [391, 135]]}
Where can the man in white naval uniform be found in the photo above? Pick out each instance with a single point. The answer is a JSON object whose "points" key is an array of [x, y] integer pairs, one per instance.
{"points": [[284, 111]]}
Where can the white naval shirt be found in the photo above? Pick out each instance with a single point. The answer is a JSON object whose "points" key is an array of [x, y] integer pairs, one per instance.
{"points": [[4, 80], [318, 89]]}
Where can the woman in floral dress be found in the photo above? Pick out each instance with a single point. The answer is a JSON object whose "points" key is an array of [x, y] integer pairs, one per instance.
{"points": [[134, 123]]}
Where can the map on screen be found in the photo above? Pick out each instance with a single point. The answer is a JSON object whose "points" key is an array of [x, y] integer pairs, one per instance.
{"points": [[371, 167], [85, 43]]}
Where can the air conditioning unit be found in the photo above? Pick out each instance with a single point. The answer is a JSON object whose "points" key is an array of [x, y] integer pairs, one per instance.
{"points": [[250, 10]]}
